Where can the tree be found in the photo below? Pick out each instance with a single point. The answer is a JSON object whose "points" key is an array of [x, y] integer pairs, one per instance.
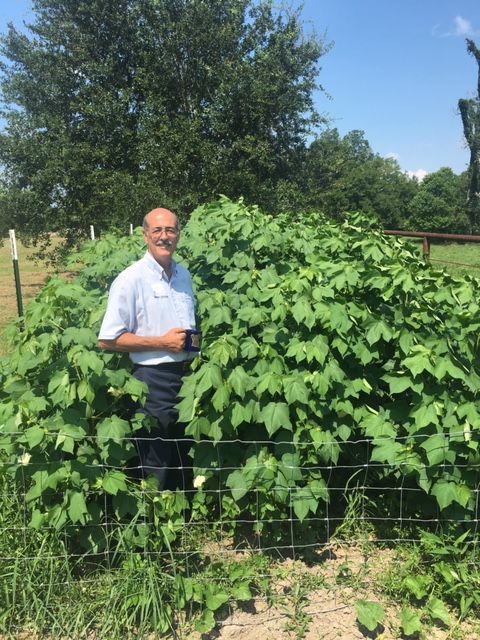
{"points": [[470, 114], [439, 205], [114, 106], [344, 174]]}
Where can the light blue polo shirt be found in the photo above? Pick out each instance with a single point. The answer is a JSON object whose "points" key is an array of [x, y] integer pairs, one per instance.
{"points": [[143, 301]]}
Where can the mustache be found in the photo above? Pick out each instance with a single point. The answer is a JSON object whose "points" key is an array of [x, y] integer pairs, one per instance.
{"points": [[163, 243]]}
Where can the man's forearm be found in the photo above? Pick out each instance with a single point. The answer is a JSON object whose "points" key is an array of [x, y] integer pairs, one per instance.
{"points": [[173, 340], [130, 342]]}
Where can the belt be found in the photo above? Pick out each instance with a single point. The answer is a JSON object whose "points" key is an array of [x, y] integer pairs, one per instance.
{"points": [[175, 367]]}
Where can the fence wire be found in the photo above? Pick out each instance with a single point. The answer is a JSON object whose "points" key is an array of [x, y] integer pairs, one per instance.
{"points": [[362, 518]]}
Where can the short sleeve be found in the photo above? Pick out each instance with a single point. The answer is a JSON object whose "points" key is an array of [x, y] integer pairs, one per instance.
{"points": [[120, 314]]}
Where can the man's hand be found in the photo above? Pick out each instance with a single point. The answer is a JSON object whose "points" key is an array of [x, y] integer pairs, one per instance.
{"points": [[174, 340]]}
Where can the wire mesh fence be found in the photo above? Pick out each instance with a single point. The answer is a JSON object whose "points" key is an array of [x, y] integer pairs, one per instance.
{"points": [[330, 549]]}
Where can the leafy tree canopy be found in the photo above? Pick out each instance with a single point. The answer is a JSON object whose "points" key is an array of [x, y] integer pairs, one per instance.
{"points": [[439, 204], [115, 106], [344, 174]]}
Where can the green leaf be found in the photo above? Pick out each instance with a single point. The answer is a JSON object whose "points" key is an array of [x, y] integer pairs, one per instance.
{"points": [[206, 622], [417, 585], [369, 614], [275, 416], [270, 382], [237, 483], [220, 351], [34, 435], [318, 349], [418, 363], [240, 414], [215, 599], [219, 315], [455, 372], [215, 431], [398, 384], [303, 501], [198, 426], [425, 414], [77, 507], [253, 316], [59, 380], [386, 450], [57, 517], [339, 320], [377, 426], [114, 481], [295, 389], [242, 591], [67, 437], [221, 398], [448, 492], [37, 520], [436, 448], [290, 468], [438, 611], [113, 428], [303, 312], [320, 490], [410, 622], [186, 408], [89, 361], [240, 381], [297, 349], [41, 483], [378, 330]]}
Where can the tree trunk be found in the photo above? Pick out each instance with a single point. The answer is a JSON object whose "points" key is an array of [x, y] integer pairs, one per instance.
{"points": [[470, 114]]}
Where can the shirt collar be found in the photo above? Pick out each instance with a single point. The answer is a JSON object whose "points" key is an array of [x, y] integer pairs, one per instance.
{"points": [[155, 266]]}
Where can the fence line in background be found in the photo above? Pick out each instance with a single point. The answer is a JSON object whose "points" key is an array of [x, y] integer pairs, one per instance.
{"points": [[430, 235]]}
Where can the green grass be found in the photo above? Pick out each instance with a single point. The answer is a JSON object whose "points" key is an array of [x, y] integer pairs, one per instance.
{"points": [[458, 259]]}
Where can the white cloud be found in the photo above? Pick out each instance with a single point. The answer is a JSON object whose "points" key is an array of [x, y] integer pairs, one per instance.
{"points": [[419, 174], [463, 27]]}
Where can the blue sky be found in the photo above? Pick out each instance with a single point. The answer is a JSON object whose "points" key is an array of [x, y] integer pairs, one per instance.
{"points": [[396, 70]]}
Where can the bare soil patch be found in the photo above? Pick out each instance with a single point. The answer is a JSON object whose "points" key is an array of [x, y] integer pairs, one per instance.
{"points": [[326, 612]]}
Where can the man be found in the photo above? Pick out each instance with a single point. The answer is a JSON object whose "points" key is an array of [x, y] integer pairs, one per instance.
{"points": [[150, 307]]}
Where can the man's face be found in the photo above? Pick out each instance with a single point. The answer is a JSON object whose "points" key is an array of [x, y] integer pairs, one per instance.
{"points": [[162, 234]]}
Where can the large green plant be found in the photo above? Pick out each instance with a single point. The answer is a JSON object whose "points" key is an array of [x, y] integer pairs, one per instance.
{"points": [[328, 349]]}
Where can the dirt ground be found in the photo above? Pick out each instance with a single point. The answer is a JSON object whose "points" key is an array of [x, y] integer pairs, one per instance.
{"points": [[326, 613]]}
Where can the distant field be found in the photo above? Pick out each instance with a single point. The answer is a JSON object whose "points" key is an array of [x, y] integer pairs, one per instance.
{"points": [[458, 259], [32, 276]]}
